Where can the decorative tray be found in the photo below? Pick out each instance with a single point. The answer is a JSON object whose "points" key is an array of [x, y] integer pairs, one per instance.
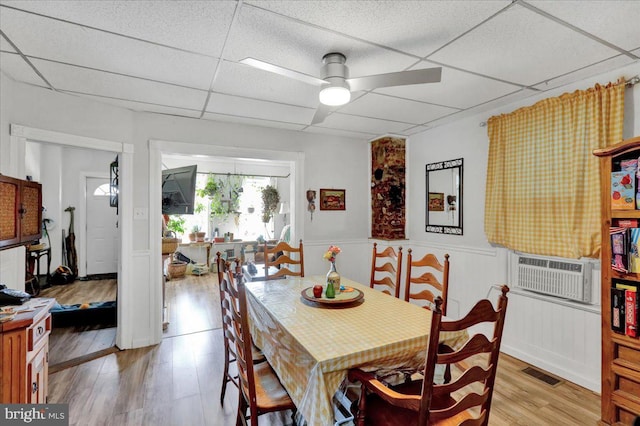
{"points": [[346, 296]]}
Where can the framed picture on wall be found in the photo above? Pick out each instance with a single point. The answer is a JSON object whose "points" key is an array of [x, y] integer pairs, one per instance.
{"points": [[332, 199], [436, 202]]}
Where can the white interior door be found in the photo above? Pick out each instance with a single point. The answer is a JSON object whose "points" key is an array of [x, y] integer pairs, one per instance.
{"points": [[102, 234]]}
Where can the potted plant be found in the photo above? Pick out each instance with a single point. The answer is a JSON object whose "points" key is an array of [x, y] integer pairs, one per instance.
{"points": [[194, 230], [176, 224], [270, 200]]}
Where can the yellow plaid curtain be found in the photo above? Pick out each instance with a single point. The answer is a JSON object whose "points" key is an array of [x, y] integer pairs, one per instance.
{"points": [[542, 194]]}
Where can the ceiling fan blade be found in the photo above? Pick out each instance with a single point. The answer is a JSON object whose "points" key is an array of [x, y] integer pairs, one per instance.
{"points": [[266, 66], [401, 78], [321, 113]]}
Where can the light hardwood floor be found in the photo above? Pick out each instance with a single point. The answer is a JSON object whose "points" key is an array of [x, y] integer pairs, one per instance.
{"points": [[178, 383]]}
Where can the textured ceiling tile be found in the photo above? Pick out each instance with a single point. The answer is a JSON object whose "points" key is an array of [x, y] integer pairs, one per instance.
{"points": [[231, 105], [243, 80], [80, 46], [410, 26], [299, 47], [361, 124], [617, 22], [15, 67], [5, 46], [142, 107], [341, 133], [65, 77], [457, 89], [252, 121], [523, 47], [602, 67], [390, 108], [197, 26]]}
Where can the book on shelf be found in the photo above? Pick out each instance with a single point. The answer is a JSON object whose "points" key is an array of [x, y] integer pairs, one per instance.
{"points": [[619, 249], [625, 223], [631, 308], [634, 250], [631, 303], [618, 319], [623, 190]]}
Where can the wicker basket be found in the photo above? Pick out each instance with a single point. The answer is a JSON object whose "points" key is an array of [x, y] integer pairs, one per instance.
{"points": [[169, 245], [176, 269]]}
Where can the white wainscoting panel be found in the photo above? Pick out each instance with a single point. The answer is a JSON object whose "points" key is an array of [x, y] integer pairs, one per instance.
{"points": [[561, 339]]}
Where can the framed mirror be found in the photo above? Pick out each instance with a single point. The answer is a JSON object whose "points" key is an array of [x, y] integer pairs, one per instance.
{"points": [[444, 197]]}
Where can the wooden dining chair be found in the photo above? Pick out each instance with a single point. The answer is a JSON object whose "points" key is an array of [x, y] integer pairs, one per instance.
{"points": [[466, 400], [426, 279], [386, 270], [260, 389], [282, 256], [228, 335]]}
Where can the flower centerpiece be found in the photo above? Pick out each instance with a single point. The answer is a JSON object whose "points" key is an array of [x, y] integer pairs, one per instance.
{"points": [[333, 277]]}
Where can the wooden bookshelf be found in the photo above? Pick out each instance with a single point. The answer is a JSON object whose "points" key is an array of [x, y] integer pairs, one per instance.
{"points": [[620, 394]]}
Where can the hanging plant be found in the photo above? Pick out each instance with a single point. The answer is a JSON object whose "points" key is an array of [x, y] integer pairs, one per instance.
{"points": [[211, 187], [270, 200]]}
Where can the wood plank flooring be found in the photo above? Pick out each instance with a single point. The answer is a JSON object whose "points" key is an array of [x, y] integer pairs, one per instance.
{"points": [[178, 381], [82, 292]]}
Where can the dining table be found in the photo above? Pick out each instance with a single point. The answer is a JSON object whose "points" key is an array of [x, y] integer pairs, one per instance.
{"points": [[311, 345]]}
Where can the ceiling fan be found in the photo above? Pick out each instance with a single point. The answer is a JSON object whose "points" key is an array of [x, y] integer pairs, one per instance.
{"points": [[336, 84]]}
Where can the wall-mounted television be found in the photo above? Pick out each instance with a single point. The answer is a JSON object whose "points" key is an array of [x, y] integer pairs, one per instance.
{"points": [[179, 190]]}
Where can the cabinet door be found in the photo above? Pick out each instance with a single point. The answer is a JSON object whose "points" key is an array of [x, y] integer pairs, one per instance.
{"points": [[30, 211], [37, 374], [9, 205]]}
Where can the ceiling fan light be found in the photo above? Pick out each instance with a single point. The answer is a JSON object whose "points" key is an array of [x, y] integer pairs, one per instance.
{"points": [[335, 96]]}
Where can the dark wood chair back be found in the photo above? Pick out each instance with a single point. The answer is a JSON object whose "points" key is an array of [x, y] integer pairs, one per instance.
{"points": [[426, 279], [386, 270], [282, 256], [272, 396], [464, 400]]}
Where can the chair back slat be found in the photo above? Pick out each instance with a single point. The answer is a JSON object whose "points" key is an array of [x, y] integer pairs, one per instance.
{"points": [[465, 400], [289, 255], [386, 269], [420, 277]]}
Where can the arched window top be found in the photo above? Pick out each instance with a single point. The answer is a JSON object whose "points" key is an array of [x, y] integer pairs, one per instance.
{"points": [[102, 190]]}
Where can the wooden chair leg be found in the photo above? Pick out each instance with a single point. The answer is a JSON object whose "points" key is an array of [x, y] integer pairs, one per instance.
{"points": [[225, 377], [241, 420]]}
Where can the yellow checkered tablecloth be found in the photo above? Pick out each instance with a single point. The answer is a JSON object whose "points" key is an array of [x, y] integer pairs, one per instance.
{"points": [[311, 348]]}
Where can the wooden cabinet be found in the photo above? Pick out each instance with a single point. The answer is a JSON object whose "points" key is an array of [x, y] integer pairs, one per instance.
{"points": [[24, 347], [20, 211], [620, 352]]}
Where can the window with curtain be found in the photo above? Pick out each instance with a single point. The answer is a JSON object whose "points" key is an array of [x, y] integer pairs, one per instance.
{"points": [[542, 193]]}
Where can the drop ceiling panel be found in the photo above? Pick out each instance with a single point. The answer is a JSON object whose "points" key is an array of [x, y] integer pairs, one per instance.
{"points": [[599, 68], [95, 49], [251, 121], [300, 47], [617, 23], [523, 47], [457, 89], [141, 107], [409, 26], [5, 46], [243, 80], [391, 108], [361, 124], [15, 67], [243, 107], [66, 77], [197, 26], [341, 133], [415, 130]]}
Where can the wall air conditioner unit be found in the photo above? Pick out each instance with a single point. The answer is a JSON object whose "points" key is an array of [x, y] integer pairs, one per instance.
{"points": [[567, 279]]}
